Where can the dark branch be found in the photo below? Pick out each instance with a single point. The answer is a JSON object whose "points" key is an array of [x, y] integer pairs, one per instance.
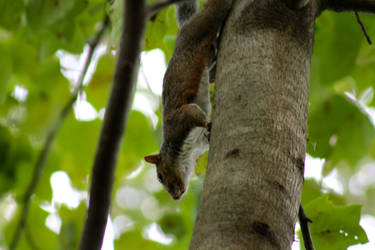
{"points": [[42, 157], [114, 124], [363, 28], [348, 5], [158, 6], [304, 223]]}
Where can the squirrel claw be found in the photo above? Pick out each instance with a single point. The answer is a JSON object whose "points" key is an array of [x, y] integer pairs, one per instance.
{"points": [[207, 133], [209, 125]]}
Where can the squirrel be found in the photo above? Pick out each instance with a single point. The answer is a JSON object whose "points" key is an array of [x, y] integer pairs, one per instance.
{"points": [[185, 96]]}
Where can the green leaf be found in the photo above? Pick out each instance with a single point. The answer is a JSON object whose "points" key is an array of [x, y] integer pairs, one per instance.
{"points": [[36, 223], [35, 235], [24, 59], [11, 14], [339, 131], [5, 71], [335, 55], [77, 141], [90, 15], [45, 100], [6, 155], [99, 86], [334, 227], [25, 171], [44, 188], [72, 226], [9, 104], [115, 11], [47, 73], [156, 30], [137, 143], [160, 32], [370, 200], [363, 73], [312, 190], [135, 240], [60, 24], [15, 151], [40, 114], [41, 14], [173, 224]]}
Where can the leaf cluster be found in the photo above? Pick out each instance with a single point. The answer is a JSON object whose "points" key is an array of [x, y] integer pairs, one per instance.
{"points": [[340, 129]]}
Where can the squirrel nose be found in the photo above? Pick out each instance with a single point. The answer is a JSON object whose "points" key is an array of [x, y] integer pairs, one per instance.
{"points": [[182, 191], [178, 194]]}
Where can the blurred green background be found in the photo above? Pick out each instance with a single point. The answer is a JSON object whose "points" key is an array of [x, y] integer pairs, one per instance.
{"points": [[42, 43]]}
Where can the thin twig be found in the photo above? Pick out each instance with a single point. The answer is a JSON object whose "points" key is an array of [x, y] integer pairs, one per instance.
{"points": [[362, 27], [304, 223], [156, 7], [42, 157]]}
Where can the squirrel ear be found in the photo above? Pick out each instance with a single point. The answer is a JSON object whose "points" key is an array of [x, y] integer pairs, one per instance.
{"points": [[155, 159]]}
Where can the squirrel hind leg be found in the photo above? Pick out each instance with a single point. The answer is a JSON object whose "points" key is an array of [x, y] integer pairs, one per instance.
{"points": [[195, 115]]}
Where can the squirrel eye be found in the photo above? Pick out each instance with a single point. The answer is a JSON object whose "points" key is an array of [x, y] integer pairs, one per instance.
{"points": [[160, 177]]}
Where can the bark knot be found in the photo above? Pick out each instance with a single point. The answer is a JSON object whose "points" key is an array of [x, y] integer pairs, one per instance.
{"points": [[280, 187], [264, 230], [233, 153], [300, 164]]}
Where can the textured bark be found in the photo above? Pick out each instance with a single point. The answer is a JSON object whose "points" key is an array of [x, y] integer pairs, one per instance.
{"points": [[258, 140]]}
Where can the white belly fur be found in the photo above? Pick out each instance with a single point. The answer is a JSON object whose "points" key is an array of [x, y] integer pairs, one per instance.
{"points": [[194, 146]]}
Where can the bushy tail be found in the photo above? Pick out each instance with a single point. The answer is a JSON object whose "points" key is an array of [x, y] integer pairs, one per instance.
{"points": [[185, 10], [205, 24]]}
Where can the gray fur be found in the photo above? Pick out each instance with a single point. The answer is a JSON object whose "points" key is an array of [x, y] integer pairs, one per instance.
{"points": [[185, 97], [185, 10]]}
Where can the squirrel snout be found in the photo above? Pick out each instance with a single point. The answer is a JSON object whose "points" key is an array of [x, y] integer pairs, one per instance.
{"points": [[178, 192]]}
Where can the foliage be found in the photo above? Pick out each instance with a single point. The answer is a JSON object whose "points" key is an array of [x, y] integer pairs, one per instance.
{"points": [[33, 91], [335, 227]]}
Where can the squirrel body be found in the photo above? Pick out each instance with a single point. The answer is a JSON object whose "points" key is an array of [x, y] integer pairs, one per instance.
{"points": [[185, 96]]}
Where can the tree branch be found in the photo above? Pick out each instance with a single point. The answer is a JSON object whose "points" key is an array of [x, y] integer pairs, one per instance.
{"points": [[348, 5], [42, 157], [156, 7], [304, 223], [114, 124]]}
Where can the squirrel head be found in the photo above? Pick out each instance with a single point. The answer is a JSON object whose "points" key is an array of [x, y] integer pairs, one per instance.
{"points": [[168, 175]]}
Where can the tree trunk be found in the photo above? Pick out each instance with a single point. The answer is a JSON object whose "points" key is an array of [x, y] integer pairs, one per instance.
{"points": [[255, 169]]}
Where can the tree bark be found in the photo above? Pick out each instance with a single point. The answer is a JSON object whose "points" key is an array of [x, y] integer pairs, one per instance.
{"points": [[254, 177]]}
